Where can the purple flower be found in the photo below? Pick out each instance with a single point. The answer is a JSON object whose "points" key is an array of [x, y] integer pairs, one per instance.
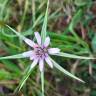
{"points": [[40, 52]]}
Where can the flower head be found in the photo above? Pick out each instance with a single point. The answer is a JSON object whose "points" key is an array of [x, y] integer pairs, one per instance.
{"points": [[41, 51]]}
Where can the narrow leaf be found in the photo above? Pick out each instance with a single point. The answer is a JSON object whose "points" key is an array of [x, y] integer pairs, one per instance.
{"points": [[93, 43], [44, 27], [12, 57], [26, 75], [17, 33], [42, 82], [65, 71], [82, 2], [4, 75], [76, 18], [11, 66], [72, 56]]}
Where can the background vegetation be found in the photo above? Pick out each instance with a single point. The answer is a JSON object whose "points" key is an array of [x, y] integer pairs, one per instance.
{"points": [[72, 28]]}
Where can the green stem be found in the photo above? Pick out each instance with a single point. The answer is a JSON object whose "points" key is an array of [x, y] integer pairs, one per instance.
{"points": [[42, 82]]}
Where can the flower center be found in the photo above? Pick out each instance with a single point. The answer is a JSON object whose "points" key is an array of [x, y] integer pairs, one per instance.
{"points": [[41, 52]]}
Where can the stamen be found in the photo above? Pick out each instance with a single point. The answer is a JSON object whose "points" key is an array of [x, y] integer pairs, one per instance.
{"points": [[41, 52]]}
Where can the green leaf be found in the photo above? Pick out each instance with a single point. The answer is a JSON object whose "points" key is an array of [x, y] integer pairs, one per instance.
{"points": [[4, 74], [76, 18], [93, 43], [11, 66], [42, 82], [17, 33], [72, 56], [44, 27], [26, 75], [82, 2], [12, 57], [65, 71]]}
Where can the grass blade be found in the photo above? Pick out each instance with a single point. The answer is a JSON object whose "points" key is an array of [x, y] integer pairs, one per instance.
{"points": [[42, 82], [44, 27], [77, 17], [72, 56], [17, 33], [26, 75], [65, 71], [12, 57]]}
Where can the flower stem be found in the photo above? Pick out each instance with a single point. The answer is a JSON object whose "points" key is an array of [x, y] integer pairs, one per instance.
{"points": [[42, 82]]}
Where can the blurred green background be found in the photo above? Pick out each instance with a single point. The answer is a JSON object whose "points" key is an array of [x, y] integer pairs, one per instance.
{"points": [[72, 28]]}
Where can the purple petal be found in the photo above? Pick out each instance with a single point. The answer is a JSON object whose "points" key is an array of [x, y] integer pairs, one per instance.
{"points": [[48, 61], [41, 65], [47, 42], [28, 54], [38, 38], [29, 42], [34, 63], [53, 50], [32, 57]]}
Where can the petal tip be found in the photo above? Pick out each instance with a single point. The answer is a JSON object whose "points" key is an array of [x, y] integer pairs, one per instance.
{"points": [[47, 41], [38, 37], [53, 50]]}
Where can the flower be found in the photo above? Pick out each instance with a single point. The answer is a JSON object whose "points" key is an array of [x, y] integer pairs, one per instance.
{"points": [[40, 52]]}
